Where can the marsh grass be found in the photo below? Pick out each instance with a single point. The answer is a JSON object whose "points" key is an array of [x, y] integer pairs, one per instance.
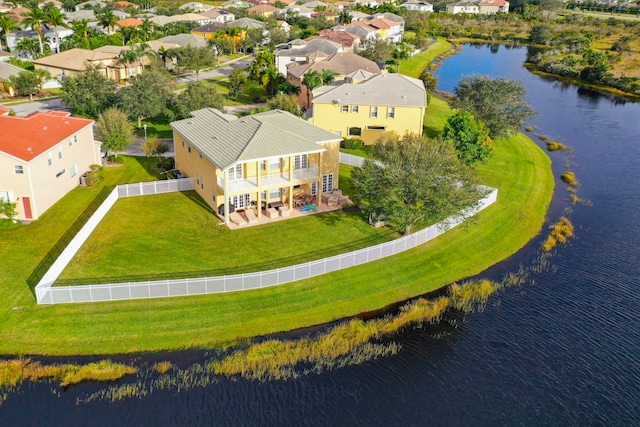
{"points": [[569, 178], [555, 146], [560, 233], [543, 137], [528, 128], [162, 367], [14, 372]]}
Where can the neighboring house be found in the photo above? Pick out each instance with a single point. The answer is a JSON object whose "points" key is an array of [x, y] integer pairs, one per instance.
{"points": [[184, 40], [218, 15], [489, 7], [208, 31], [124, 4], [315, 3], [129, 22], [358, 16], [90, 5], [365, 110], [240, 4], [350, 42], [326, 14], [342, 64], [247, 23], [196, 6], [50, 37], [299, 50], [419, 6], [82, 14], [73, 61], [463, 7], [192, 17], [6, 72], [264, 10], [42, 159], [257, 160], [382, 28], [296, 10]]}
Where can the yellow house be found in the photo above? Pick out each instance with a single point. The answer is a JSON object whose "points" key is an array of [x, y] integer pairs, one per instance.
{"points": [[42, 158], [262, 160], [367, 109]]}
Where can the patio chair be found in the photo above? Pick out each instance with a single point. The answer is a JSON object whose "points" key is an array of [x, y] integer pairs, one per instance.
{"points": [[332, 201], [284, 211], [251, 216], [237, 218], [271, 213]]}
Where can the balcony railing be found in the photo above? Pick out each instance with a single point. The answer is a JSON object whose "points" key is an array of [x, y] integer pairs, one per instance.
{"points": [[272, 180]]}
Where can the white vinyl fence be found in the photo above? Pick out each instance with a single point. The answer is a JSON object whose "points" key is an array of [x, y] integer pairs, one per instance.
{"points": [[129, 190], [46, 294]]}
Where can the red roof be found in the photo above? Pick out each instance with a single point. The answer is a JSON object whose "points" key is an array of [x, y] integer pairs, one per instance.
{"points": [[33, 135]]}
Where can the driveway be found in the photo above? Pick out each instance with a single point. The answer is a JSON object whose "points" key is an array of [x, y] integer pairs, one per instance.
{"points": [[27, 108]]}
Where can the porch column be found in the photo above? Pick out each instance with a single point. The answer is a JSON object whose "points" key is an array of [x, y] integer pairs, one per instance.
{"points": [[319, 194], [259, 202], [226, 197], [290, 187]]}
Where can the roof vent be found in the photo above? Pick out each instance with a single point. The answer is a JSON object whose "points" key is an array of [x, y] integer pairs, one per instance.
{"points": [[347, 94], [45, 128], [30, 149]]}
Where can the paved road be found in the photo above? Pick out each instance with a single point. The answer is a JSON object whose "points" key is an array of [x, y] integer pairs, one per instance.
{"points": [[31, 107], [224, 70]]}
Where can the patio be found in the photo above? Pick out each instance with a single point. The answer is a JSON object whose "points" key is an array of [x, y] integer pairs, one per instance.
{"points": [[295, 213]]}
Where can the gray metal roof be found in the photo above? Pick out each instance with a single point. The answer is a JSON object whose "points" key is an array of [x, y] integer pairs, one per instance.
{"points": [[394, 90], [227, 140]]}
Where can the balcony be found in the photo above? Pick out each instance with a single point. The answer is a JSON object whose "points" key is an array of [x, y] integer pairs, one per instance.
{"points": [[271, 180]]}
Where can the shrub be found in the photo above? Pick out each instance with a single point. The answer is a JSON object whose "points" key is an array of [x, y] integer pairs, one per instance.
{"points": [[352, 143], [570, 179], [555, 146], [560, 233]]}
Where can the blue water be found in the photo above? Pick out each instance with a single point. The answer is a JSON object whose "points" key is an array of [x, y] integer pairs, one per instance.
{"points": [[563, 351]]}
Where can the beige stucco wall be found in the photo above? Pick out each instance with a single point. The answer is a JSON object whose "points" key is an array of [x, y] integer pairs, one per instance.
{"points": [[46, 184], [331, 118]]}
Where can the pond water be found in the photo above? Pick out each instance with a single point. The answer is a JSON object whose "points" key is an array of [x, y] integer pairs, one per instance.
{"points": [[563, 351]]}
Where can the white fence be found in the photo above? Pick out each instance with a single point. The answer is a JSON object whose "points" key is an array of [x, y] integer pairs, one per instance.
{"points": [[46, 294], [44, 286], [357, 161]]}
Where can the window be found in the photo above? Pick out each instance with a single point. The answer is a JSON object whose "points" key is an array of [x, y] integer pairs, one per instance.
{"points": [[235, 172], [374, 112], [241, 201], [70, 142], [189, 147], [183, 142], [75, 138], [314, 188], [5, 196], [354, 109], [60, 152], [327, 183], [17, 169], [345, 108], [274, 164], [300, 161], [382, 128], [200, 155], [197, 178], [391, 112], [50, 159], [73, 171], [355, 132]]}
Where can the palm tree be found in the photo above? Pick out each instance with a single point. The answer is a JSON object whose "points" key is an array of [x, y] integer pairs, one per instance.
{"points": [[136, 54], [328, 76], [7, 25], [28, 45], [55, 18], [311, 80], [270, 79], [233, 32], [81, 32], [36, 20], [108, 20], [345, 17], [146, 29]]}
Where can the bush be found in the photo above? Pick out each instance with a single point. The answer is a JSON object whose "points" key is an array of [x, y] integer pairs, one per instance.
{"points": [[570, 179], [114, 160], [352, 143], [93, 178]]}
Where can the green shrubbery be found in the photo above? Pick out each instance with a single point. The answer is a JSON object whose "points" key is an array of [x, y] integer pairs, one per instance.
{"points": [[352, 143]]}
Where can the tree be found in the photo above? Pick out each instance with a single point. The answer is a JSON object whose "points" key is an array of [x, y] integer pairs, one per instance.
{"points": [[196, 96], [497, 102], [195, 58], [42, 76], [271, 79], [35, 19], [286, 103], [89, 92], [152, 146], [378, 50], [262, 60], [135, 55], [81, 33], [53, 17], [237, 80], [328, 76], [312, 79], [234, 34], [107, 19], [469, 136], [114, 130], [345, 17], [7, 25], [25, 83], [414, 182], [8, 209], [541, 34], [148, 96]]}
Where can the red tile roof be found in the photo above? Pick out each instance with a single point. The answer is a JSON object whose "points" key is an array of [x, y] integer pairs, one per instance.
{"points": [[33, 135]]}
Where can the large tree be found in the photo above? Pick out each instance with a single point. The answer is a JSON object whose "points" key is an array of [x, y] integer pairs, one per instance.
{"points": [[286, 103], [25, 83], [196, 96], [148, 96], [413, 182], [312, 79], [55, 18], [114, 130], [35, 19], [497, 102], [469, 136], [89, 92], [237, 80], [7, 25], [195, 58]]}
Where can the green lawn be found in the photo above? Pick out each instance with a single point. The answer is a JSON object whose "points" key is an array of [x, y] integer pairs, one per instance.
{"points": [[519, 168], [187, 239], [415, 65]]}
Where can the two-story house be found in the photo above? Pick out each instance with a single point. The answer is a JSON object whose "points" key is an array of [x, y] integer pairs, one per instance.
{"points": [[42, 157], [367, 109], [259, 160]]}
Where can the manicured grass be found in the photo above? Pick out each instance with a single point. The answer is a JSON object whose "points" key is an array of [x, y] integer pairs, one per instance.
{"points": [[415, 65], [186, 238]]}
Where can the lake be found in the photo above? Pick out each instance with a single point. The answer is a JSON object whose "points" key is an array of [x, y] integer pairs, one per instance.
{"points": [[563, 351]]}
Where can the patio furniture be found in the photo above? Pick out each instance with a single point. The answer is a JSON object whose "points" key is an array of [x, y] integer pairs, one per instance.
{"points": [[276, 205], [344, 200], [271, 213], [251, 216], [284, 211], [308, 209], [332, 201], [237, 218]]}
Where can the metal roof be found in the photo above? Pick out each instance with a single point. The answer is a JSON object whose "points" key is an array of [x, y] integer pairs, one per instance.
{"points": [[227, 140]]}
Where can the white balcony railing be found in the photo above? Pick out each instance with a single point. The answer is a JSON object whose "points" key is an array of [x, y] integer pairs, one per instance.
{"points": [[273, 180]]}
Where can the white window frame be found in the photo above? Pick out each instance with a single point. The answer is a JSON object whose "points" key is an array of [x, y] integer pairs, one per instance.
{"points": [[18, 170], [327, 183], [344, 108], [391, 112], [300, 161], [73, 171], [314, 188], [354, 109], [354, 134], [240, 201], [235, 172], [7, 196], [374, 113], [50, 158], [60, 152]]}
